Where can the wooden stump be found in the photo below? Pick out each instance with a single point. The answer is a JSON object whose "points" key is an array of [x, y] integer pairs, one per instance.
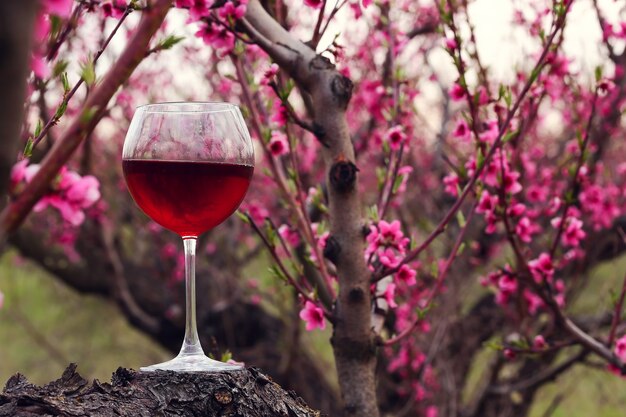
{"points": [[245, 393]]}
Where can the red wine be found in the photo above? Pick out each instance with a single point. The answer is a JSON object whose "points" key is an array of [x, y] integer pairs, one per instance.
{"points": [[186, 197]]}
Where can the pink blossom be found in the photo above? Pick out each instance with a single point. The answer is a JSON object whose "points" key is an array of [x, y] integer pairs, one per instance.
{"points": [[516, 210], [620, 352], [313, 316], [487, 203], [69, 212], [183, 3], [573, 232], [432, 411], [390, 233], [84, 192], [269, 75], [533, 301], [199, 9], [542, 267], [389, 258], [462, 131], [451, 43], [510, 354], [315, 4], [216, 36], [407, 275], [289, 235], [511, 185], [18, 172], [539, 342], [257, 212], [42, 27], [114, 8], [490, 132], [395, 137], [389, 295], [451, 182], [536, 193], [525, 229], [366, 3], [281, 115], [40, 67], [230, 11], [61, 8], [483, 97], [456, 92], [278, 144]]}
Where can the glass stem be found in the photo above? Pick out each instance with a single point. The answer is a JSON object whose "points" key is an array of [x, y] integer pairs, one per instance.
{"points": [[191, 344]]}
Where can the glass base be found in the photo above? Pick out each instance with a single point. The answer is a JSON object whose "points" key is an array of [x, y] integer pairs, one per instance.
{"points": [[192, 363]]}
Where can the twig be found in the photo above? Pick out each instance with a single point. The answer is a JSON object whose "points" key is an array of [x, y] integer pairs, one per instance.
{"points": [[541, 377], [440, 279], [93, 109], [121, 291], [574, 182], [69, 25], [315, 39], [617, 313], [66, 97], [292, 281], [299, 208], [469, 186]]}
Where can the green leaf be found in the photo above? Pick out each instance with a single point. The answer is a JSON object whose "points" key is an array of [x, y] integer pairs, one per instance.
{"points": [[88, 72], [38, 128], [284, 93], [598, 73], [277, 273], [494, 344], [534, 74], [373, 213], [380, 176], [169, 42], [270, 234], [460, 218], [509, 136], [397, 183], [242, 216], [508, 99], [461, 249], [480, 159], [501, 91], [65, 82], [226, 356], [61, 110], [434, 269], [28, 149], [59, 67]]}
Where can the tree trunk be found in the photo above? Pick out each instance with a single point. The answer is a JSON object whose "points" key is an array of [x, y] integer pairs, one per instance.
{"points": [[16, 28], [245, 393]]}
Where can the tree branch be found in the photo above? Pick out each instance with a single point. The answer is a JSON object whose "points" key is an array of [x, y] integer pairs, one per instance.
{"points": [[84, 123], [353, 339]]}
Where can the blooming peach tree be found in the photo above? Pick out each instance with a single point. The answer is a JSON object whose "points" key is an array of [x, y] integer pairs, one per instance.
{"points": [[420, 246]]}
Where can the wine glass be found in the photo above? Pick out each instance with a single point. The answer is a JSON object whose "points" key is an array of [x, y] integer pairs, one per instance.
{"points": [[188, 167]]}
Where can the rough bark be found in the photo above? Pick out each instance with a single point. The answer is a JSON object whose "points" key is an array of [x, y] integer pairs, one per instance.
{"points": [[353, 339], [16, 28], [245, 393], [253, 335], [84, 123]]}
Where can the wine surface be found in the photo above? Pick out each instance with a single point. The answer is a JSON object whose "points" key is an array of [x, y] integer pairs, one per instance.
{"points": [[186, 197]]}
